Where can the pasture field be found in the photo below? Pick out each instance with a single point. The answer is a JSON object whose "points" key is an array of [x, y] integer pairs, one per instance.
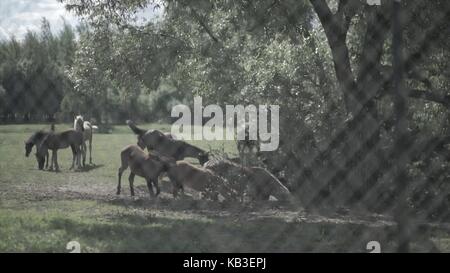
{"points": [[41, 211]]}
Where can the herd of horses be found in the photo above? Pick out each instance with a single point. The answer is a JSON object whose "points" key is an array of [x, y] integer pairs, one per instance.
{"points": [[165, 155]]}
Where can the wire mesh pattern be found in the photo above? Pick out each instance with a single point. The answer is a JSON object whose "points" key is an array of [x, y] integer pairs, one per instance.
{"points": [[377, 163]]}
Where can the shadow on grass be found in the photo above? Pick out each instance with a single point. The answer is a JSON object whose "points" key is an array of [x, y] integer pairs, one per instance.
{"points": [[201, 206], [87, 168], [146, 233], [90, 167], [188, 202]]}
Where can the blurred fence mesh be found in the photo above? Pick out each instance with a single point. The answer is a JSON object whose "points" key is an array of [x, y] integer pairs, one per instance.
{"points": [[406, 175], [373, 164]]}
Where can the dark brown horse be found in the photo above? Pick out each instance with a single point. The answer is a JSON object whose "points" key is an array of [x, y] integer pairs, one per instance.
{"points": [[167, 145], [35, 140], [55, 141]]}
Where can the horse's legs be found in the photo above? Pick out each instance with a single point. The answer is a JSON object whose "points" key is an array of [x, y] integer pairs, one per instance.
{"points": [[46, 160], [90, 149], [176, 188], [79, 152], [150, 188], [74, 154], [131, 180], [55, 156], [83, 152], [155, 182], [51, 162], [123, 167]]}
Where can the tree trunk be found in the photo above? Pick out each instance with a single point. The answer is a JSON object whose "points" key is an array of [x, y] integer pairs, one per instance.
{"points": [[401, 211]]}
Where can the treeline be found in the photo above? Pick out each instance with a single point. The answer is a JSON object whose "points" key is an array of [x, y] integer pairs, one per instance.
{"points": [[32, 74], [49, 76]]}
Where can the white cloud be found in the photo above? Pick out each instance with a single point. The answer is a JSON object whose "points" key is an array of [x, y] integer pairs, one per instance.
{"points": [[18, 16], [3, 33]]}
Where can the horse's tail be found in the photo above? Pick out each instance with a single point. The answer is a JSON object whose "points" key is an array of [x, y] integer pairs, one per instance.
{"points": [[135, 129], [88, 126]]}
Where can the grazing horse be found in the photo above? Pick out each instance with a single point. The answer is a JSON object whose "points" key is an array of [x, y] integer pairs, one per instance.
{"points": [[36, 139], [55, 141], [183, 174], [167, 144], [148, 166], [86, 128]]}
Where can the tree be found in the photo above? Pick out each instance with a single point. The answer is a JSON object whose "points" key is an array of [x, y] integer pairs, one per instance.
{"points": [[32, 72], [328, 65]]}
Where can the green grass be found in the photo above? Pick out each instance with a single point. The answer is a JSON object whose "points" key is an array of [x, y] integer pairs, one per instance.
{"points": [[100, 227], [42, 211]]}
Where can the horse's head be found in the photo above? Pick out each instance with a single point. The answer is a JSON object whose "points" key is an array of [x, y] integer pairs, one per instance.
{"points": [[203, 157], [28, 147], [79, 123], [29, 143]]}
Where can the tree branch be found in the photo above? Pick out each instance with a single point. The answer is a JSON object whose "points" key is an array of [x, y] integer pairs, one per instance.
{"points": [[262, 20], [203, 25], [414, 58], [336, 37], [325, 15], [431, 96], [346, 10]]}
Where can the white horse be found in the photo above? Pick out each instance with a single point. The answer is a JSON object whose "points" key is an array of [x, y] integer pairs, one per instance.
{"points": [[86, 128]]}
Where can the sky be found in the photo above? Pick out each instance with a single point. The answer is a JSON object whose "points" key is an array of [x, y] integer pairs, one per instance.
{"points": [[17, 16]]}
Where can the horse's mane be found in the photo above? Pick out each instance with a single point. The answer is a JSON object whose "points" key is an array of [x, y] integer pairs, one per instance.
{"points": [[75, 122], [189, 146], [37, 136]]}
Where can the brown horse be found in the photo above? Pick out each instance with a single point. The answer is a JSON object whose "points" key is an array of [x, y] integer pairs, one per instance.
{"points": [[199, 179], [148, 166], [55, 141], [166, 144]]}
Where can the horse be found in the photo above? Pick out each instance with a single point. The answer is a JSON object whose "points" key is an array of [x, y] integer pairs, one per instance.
{"points": [[200, 179], [263, 184], [167, 144], [36, 139], [148, 166], [86, 128], [55, 141]]}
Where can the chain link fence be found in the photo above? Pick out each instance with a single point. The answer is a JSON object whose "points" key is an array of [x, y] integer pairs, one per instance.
{"points": [[380, 177]]}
